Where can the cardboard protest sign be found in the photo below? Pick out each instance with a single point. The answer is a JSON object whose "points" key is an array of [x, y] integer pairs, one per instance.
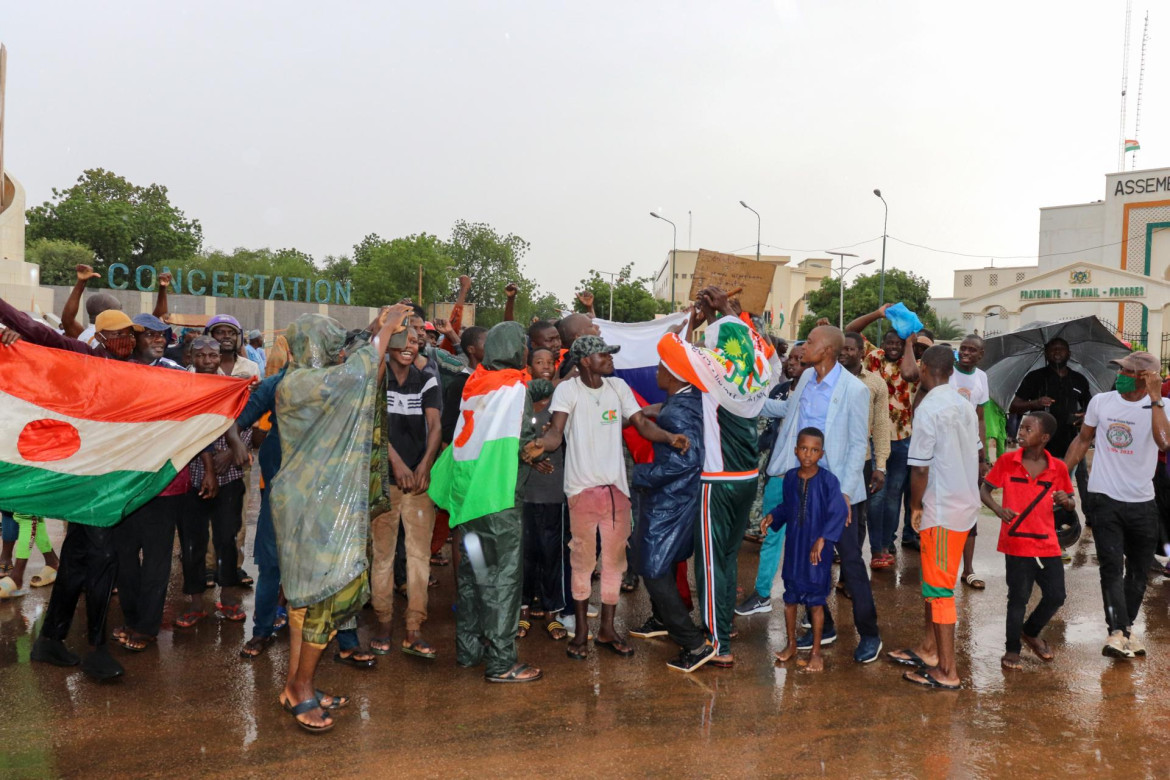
{"points": [[730, 271]]}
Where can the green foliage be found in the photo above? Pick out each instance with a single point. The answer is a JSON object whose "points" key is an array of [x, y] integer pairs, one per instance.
{"points": [[546, 307], [492, 260], [632, 299], [58, 259], [945, 329], [384, 271], [119, 221], [861, 297]]}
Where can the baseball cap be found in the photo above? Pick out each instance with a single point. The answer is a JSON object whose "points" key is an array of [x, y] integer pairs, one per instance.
{"points": [[1138, 362], [923, 340], [114, 319], [150, 322], [584, 346], [429, 326]]}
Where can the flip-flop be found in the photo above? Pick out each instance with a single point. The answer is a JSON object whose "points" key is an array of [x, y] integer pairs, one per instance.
{"points": [[259, 644], [301, 709], [614, 648], [189, 619], [577, 652], [973, 581], [419, 649], [523, 629], [513, 675], [338, 701], [46, 576], [928, 682], [1038, 647], [722, 664], [912, 658], [356, 663], [381, 650], [556, 625], [8, 589]]}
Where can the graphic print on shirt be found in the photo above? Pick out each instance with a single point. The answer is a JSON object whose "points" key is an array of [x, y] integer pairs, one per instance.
{"points": [[609, 416], [1013, 530], [1120, 436]]}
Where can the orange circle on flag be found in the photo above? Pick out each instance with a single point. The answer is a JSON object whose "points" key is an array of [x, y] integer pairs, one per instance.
{"points": [[47, 440]]}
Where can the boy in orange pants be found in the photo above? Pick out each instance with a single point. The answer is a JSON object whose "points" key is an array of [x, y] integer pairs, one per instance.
{"points": [[944, 505]]}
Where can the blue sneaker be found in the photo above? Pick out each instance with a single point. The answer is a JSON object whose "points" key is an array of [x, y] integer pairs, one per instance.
{"points": [[804, 641], [868, 649]]}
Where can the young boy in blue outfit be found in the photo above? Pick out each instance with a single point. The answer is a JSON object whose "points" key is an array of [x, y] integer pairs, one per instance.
{"points": [[814, 513]]}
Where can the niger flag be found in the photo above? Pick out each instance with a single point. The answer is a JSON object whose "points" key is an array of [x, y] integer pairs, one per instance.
{"points": [[89, 440], [476, 475]]}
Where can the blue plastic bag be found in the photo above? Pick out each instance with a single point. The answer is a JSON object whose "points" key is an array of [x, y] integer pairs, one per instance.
{"points": [[902, 320]]}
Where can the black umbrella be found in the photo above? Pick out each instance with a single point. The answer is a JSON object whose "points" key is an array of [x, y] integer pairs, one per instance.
{"points": [[1009, 357]]}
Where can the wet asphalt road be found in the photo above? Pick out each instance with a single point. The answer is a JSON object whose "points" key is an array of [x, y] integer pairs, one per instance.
{"points": [[191, 707]]}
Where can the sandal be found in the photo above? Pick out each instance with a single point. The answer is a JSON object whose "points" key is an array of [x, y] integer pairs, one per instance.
{"points": [[9, 590], [1013, 664], [438, 559], [190, 618], [380, 640], [134, 642], [354, 661], [911, 658], [537, 614], [1038, 646], [616, 646], [308, 705], [524, 627], [7, 568], [577, 652], [208, 579], [556, 630], [927, 681], [47, 576], [513, 675], [232, 613], [281, 618], [256, 646], [419, 648], [337, 701], [972, 581]]}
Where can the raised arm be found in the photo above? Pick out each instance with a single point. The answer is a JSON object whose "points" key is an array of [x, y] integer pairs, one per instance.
{"points": [[69, 321], [909, 364], [160, 306], [1161, 423], [510, 302], [36, 333], [389, 321], [586, 299], [865, 320]]}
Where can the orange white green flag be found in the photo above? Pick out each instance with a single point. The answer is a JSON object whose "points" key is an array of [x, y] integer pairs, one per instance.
{"points": [[476, 475], [1131, 145], [89, 440]]}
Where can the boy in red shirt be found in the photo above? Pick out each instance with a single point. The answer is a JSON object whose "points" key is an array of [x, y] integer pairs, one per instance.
{"points": [[1032, 482]]}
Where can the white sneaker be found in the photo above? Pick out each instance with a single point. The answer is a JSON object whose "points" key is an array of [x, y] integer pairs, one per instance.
{"points": [[1117, 646], [1134, 645]]}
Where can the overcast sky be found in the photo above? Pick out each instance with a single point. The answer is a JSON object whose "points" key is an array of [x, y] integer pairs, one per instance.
{"points": [[312, 124]]}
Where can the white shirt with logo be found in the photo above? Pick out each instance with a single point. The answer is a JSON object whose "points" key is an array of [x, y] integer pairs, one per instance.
{"points": [[946, 439], [593, 433], [971, 386], [1125, 455]]}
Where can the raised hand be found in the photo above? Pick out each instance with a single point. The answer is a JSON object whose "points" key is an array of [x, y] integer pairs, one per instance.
{"points": [[511, 289], [465, 283], [86, 272], [586, 299], [164, 279]]}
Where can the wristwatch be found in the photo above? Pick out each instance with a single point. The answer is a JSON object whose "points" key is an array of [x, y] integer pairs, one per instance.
{"points": [[1159, 403]]}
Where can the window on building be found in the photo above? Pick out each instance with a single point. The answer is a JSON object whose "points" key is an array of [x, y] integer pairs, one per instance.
{"points": [[1020, 276], [993, 280], [967, 280]]}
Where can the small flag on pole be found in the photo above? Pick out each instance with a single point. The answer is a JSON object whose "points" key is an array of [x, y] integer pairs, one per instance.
{"points": [[1132, 146]]}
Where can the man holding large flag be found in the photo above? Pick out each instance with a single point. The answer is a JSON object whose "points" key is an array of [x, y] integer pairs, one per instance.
{"points": [[79, 456], [733, 372], [475, 480]]}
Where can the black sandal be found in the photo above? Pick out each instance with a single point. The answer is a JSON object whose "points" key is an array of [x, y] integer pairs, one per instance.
{"points": [[356, 663], [513, 675], [257, 643], [615, 646], [306, 706]]}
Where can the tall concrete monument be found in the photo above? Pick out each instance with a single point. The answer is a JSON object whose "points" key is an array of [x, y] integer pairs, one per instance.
{"points": [[19, 281]]}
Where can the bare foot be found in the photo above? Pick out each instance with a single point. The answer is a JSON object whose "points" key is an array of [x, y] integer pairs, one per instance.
{"points": [[1038, 646], [1011, 661], [816, 663], [787, 653]]}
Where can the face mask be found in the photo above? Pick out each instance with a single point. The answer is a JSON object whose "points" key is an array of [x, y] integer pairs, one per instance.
{"points": [[1125, 384], [120, 346]]}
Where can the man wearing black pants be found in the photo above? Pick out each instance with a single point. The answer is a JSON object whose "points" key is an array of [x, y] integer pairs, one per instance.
{"points": [[1128, 426], [142, 582]]}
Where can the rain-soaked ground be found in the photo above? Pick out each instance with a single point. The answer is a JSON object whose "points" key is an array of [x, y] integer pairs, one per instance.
{"points": [[192, 707]]}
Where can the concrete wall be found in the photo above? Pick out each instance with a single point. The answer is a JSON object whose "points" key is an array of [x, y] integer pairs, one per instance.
{"points": [[1067, 234], [11, 219], [971, 282]]}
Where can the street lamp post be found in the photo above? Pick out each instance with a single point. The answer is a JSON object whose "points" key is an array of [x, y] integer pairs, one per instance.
{"points": [[840, 272], [758, 224], [612, 281], [885, 224], [673, 254]]}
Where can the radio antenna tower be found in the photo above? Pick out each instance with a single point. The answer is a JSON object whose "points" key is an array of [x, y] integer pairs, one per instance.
{"points": [[1124, 86], [1137, 125]]}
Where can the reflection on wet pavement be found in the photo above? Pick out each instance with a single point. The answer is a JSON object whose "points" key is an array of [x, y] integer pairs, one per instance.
{"points": [[192, 707]]}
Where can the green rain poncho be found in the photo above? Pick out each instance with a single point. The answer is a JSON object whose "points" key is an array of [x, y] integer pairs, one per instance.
{"points": [[320, 496]]}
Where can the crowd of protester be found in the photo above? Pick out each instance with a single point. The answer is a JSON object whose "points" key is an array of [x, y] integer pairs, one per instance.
{"points": [[853, 440]]}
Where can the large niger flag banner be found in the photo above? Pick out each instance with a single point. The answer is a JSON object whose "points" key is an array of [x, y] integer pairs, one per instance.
{"points": [[90, 440], [476, 475]]}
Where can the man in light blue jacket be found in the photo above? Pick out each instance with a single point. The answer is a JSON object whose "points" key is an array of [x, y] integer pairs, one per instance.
{"points": [[831, 399]]}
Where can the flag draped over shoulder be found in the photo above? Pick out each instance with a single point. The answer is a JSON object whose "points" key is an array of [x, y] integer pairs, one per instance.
{"points": [[733, 367], [89, 440], [476, 475]]}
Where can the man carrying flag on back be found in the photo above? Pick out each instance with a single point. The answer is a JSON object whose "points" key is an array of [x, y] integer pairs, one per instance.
{"points": [[733, 372], [476, 480], [72, 458]]}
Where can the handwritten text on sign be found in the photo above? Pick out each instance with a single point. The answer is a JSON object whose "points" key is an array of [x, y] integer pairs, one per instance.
{"points": [[728, 272]]}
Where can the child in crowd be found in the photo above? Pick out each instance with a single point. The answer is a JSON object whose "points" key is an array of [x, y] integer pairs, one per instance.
{"points": [[1032, 482], [31, 530], [544, 517], [814, 512]]}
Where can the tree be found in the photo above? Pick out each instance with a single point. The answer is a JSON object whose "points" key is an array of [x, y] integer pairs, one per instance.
{"points": [[945, 329], [386, 271], [119, 221], [861, 297], [492, 261], [58, 259], [546, 307], [632, 299]]}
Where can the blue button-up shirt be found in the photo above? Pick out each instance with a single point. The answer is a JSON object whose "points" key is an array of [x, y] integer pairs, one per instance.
{"points": [[814, 401]]}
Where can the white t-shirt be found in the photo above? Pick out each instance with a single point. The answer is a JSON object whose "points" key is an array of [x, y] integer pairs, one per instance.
{"points": [[593, 434], [946, 439], [971, 386], [88, 336], [1125, 455]]}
